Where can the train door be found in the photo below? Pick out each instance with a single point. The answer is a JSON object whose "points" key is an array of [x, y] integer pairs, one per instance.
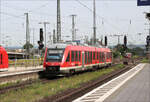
{"points": [[105, 57], [68, 60], [72, 58], [76, 58], [83, 59]]}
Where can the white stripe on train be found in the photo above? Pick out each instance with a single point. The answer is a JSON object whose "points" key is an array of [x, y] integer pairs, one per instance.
{"points": [[85, 66]]}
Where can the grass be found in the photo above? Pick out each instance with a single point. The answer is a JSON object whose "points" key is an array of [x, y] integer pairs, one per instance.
{"points": [[145, 60], [38, 90]]}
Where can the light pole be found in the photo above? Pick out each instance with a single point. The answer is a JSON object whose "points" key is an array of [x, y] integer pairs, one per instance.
{"points": [[45, 23]]}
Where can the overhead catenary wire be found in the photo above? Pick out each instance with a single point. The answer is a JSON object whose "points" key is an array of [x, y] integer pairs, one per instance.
{"points": [[81, 3]]}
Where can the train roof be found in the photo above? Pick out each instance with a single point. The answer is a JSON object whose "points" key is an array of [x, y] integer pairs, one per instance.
{"points": [[64, 45], [58, 46]]}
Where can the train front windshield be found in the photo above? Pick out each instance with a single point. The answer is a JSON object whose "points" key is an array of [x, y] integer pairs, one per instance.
{"points": [[54, 55]]}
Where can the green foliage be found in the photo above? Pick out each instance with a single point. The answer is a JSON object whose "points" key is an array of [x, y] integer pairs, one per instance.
{"points": [[116, 54], [136, 51], [145, 60], [27, 44], [120, 51]]}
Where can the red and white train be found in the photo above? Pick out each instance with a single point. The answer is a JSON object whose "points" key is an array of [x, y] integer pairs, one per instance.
{"points": [[63, 58], [3, 59]]}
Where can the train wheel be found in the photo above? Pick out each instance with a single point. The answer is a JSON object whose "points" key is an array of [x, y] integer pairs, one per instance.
{"points": [[71, 72]]}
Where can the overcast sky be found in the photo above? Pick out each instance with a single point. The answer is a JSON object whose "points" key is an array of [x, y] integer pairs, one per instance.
{"points": [[113, 17]]}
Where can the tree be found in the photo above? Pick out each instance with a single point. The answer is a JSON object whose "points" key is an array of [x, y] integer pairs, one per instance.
{"points": [[25, 45]]}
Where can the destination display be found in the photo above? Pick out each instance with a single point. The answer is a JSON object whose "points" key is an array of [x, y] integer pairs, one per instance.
{"points": [[55, 51], [143, 2]]}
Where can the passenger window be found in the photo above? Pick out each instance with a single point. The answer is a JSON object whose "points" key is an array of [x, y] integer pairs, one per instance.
{"points": [[97, 55], [91, 57], [79, 55], [86, 54], [103, 59], [76, 56], [72, 56], [1, 59], [94, 55], [68, 58]]}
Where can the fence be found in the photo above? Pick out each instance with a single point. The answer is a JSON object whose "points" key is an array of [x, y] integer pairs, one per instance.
{"points": [[25, 62]]}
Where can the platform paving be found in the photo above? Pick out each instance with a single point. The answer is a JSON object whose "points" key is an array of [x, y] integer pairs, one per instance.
{"points": [[20, 70], [137, 89]]}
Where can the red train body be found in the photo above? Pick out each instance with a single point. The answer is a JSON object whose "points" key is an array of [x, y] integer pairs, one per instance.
{"points": [[63, 58], [3, 59]]}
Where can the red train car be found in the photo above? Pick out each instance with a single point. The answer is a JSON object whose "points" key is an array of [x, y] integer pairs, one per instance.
{"points": [[3, 59], [63, 58]]}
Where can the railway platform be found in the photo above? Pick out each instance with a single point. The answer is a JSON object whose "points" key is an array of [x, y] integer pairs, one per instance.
{"points": [[132, 86], [20, 70]]}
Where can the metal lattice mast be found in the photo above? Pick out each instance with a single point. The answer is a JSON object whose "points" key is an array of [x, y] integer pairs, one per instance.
{"points": [[58, 22], [27, 34], [94, 22], [73, 27]]}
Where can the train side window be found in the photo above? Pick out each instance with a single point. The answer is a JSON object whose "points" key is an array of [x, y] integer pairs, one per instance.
{"points": [[97, 55], [88, 57], [103, 56], [68, 57], [85, 57], [1, 59], [110, 54], [94, 56], [91, 57], [72, 56], [86, 54], [76, 56], [79, 55], [100, 56], [107, 55]]}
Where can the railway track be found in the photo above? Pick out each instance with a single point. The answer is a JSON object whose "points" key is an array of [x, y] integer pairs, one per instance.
{"points": [[30, 82], [69, 95], [26, 84]]}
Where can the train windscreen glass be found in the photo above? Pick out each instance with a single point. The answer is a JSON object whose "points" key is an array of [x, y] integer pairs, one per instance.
{"points": [[54, 55]]}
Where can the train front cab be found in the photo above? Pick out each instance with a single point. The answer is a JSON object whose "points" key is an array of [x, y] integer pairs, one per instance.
{"points": [[53, 60], [3, 59]]}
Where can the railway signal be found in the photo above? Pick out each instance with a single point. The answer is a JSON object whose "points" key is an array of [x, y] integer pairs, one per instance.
{"points": [[41, 35], [125, 41], [105, 40], [41, 45], [148, 40]]}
